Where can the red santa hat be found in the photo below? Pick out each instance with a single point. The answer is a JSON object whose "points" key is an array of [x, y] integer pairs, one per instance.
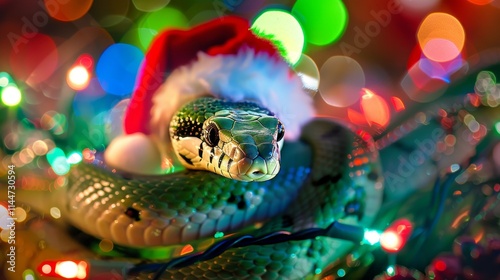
{"points": [[223, 58]]}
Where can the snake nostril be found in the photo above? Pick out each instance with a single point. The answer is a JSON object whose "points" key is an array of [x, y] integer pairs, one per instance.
{"points": [[257, 172]]}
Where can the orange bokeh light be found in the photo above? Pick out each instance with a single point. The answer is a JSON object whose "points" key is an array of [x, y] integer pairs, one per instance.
{"points": [[375, 108], [68, 10], [480, 2], [441, 37]]}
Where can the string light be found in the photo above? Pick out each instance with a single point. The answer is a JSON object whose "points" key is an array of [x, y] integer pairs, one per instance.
{"points": [[396, 235], [78, 77], [11, 95], [64, 269]]}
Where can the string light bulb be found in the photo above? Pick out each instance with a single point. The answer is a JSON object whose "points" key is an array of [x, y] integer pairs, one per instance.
{"points": [[396, 235], [64, 269]]}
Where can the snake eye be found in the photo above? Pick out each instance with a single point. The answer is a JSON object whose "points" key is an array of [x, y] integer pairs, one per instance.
{"points": [[212, 135], [281, 131]]}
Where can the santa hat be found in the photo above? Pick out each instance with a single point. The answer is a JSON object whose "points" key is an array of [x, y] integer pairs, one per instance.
{"points": [[222, 58]]}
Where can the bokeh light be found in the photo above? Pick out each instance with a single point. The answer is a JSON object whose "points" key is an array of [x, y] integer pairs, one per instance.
{"points": [[115, 73], [78, 77], [412, 6], [40, 148], [308, 72], [421, 87], [85, 60], [5, 79], [67, 10], [248, 7], [441, 37], [58, 162], [371, 237], [323, 21], [4, 216], [375, 109], [397, 103], [54, 122], [481, 2], [20, 214], [391, 241], [35, 59], [284, 28], [11, 95], [70, 269], [55, 212], [29, 274], [152, 23], [341, 80], [74, 158], [110, 12], [150, 5]]}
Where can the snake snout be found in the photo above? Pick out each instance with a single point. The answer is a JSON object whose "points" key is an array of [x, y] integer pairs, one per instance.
{"points": [[256, 172]]}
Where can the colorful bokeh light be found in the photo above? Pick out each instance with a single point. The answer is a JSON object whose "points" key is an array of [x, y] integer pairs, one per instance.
{"points": [[323, 21], [284, 28], [4, 216], [441, 37], [396, 235], [67, 10], [11, 95], [341, 80], [58, 162], [375, 109], [78, 77], [397, 103], [308, 72], [34, 58], [152, 23], [481, 2], [150, 5], [5, 79], [421, 86], [411, 6], [117, 68], [111, 12]]}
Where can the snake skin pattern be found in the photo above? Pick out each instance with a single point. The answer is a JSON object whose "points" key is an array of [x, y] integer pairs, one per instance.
{"points": [[330, 174]]}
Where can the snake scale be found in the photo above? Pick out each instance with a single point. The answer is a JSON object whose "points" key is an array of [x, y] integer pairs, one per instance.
{"points": [[330, 174]]}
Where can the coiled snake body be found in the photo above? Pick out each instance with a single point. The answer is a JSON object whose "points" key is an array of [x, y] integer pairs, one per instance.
{"points": [[330, 174]]}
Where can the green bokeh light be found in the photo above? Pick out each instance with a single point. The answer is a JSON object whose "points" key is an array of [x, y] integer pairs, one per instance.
{"points": [[323, 21], [341, 272], [58, 162], [5, 79], [29, 274], [284, 28], [74, 158], [152, 23], [390, 270], [371, 237], [11, 95]]}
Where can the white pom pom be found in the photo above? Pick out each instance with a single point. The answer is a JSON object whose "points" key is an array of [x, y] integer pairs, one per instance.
{"points": [[135, 153]]}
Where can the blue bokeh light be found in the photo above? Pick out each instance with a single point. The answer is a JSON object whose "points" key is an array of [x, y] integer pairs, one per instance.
{"points": [[117, 68]]}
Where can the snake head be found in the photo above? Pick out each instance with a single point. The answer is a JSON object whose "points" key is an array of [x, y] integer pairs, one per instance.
{"points": [[240, 141]]}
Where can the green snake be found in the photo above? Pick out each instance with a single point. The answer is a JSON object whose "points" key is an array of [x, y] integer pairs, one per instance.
{"points": [[330, 174]]}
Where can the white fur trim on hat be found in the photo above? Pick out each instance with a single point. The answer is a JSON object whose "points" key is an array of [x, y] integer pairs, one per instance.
{"points": [[246, 76]]}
